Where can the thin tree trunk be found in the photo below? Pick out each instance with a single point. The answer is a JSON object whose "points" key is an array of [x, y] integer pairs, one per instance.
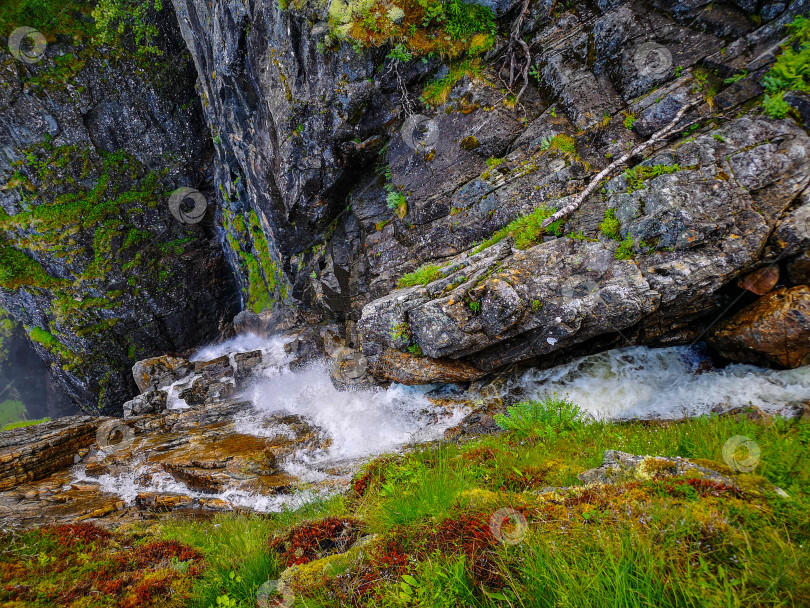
{"points": [[608, 171]]}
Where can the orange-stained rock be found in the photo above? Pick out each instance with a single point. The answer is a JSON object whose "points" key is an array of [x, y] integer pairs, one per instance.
{"points": [[410, 369], [776, 327], [159, 371], [760, 281]]}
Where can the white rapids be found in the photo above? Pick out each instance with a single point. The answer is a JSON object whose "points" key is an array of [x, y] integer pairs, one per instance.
{"points": [[635, 382]]}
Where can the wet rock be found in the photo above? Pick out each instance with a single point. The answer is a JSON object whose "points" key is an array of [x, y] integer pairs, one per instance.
{"points": [[247, 365], [502, 305], [776, 328], [35, 452], [801, 103], [799, 269], [215, 368], [406, 368], [621, 467], [159, 372], [473, 425], [154, 501], [150, 402], [760, 281]]}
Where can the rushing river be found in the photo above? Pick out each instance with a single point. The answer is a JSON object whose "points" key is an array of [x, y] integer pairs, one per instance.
{"points": [[636, 382]]}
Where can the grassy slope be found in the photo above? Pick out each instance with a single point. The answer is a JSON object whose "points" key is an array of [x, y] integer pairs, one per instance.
{"points": [[656, 542], [650, 542]]}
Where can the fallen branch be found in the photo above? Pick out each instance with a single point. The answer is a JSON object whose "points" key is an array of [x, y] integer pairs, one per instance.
{"points": [[608, 171]]}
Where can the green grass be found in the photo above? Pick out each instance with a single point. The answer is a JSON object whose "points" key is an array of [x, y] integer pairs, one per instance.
{"points": [[22, 424], [437, 91], [423, 275], [636, 176], [625, 249], [656, 541], [525, 230], [610, 226]]}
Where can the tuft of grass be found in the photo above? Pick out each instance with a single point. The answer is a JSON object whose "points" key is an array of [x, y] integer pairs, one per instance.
{"points": [[636, 176], [23, 423], [625, 249], [610, 226], [421, 276], [437, 91], [525, 230]]}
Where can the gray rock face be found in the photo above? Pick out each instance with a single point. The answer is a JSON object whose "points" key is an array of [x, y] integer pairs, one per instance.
{"points": [[94, 264], [692, 232]]}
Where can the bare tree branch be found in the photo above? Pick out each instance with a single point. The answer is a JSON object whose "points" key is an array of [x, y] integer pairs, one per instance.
{"points": [[608, 171]]}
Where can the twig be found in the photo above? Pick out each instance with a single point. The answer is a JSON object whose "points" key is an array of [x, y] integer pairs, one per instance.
{"points": [[608, 171]]}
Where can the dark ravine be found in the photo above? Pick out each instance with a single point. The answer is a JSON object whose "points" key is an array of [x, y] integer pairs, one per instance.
{"points": [[295, 139]]}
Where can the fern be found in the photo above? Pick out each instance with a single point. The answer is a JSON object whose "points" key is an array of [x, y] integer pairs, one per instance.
{"points": [[547, 418]]}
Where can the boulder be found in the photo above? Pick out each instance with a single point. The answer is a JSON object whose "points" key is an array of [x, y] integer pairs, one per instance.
{"points": [[151, 402], [158, 372], [621, 467], [775, 328]]}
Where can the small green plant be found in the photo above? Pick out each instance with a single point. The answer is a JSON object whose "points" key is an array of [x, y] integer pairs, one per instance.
{"points": [[415, 350], [475, 307], [401, 332], [719, 137], [636, 176], [678, 71], [775, 106], [421, 276], [525, 230], [400, 53], [610, 225], [629, 121], [736, 77], [625, 249], [543, 419], [537, 306], [790, 71]]}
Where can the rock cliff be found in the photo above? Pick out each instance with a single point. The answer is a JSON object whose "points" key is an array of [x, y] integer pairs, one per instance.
{"points": [[388, 170]]}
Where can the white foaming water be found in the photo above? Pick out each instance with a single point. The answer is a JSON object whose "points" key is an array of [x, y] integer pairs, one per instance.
{"points": [[359, 423], [128, 485], [273, 346], [632, 382], [663, 383]]}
